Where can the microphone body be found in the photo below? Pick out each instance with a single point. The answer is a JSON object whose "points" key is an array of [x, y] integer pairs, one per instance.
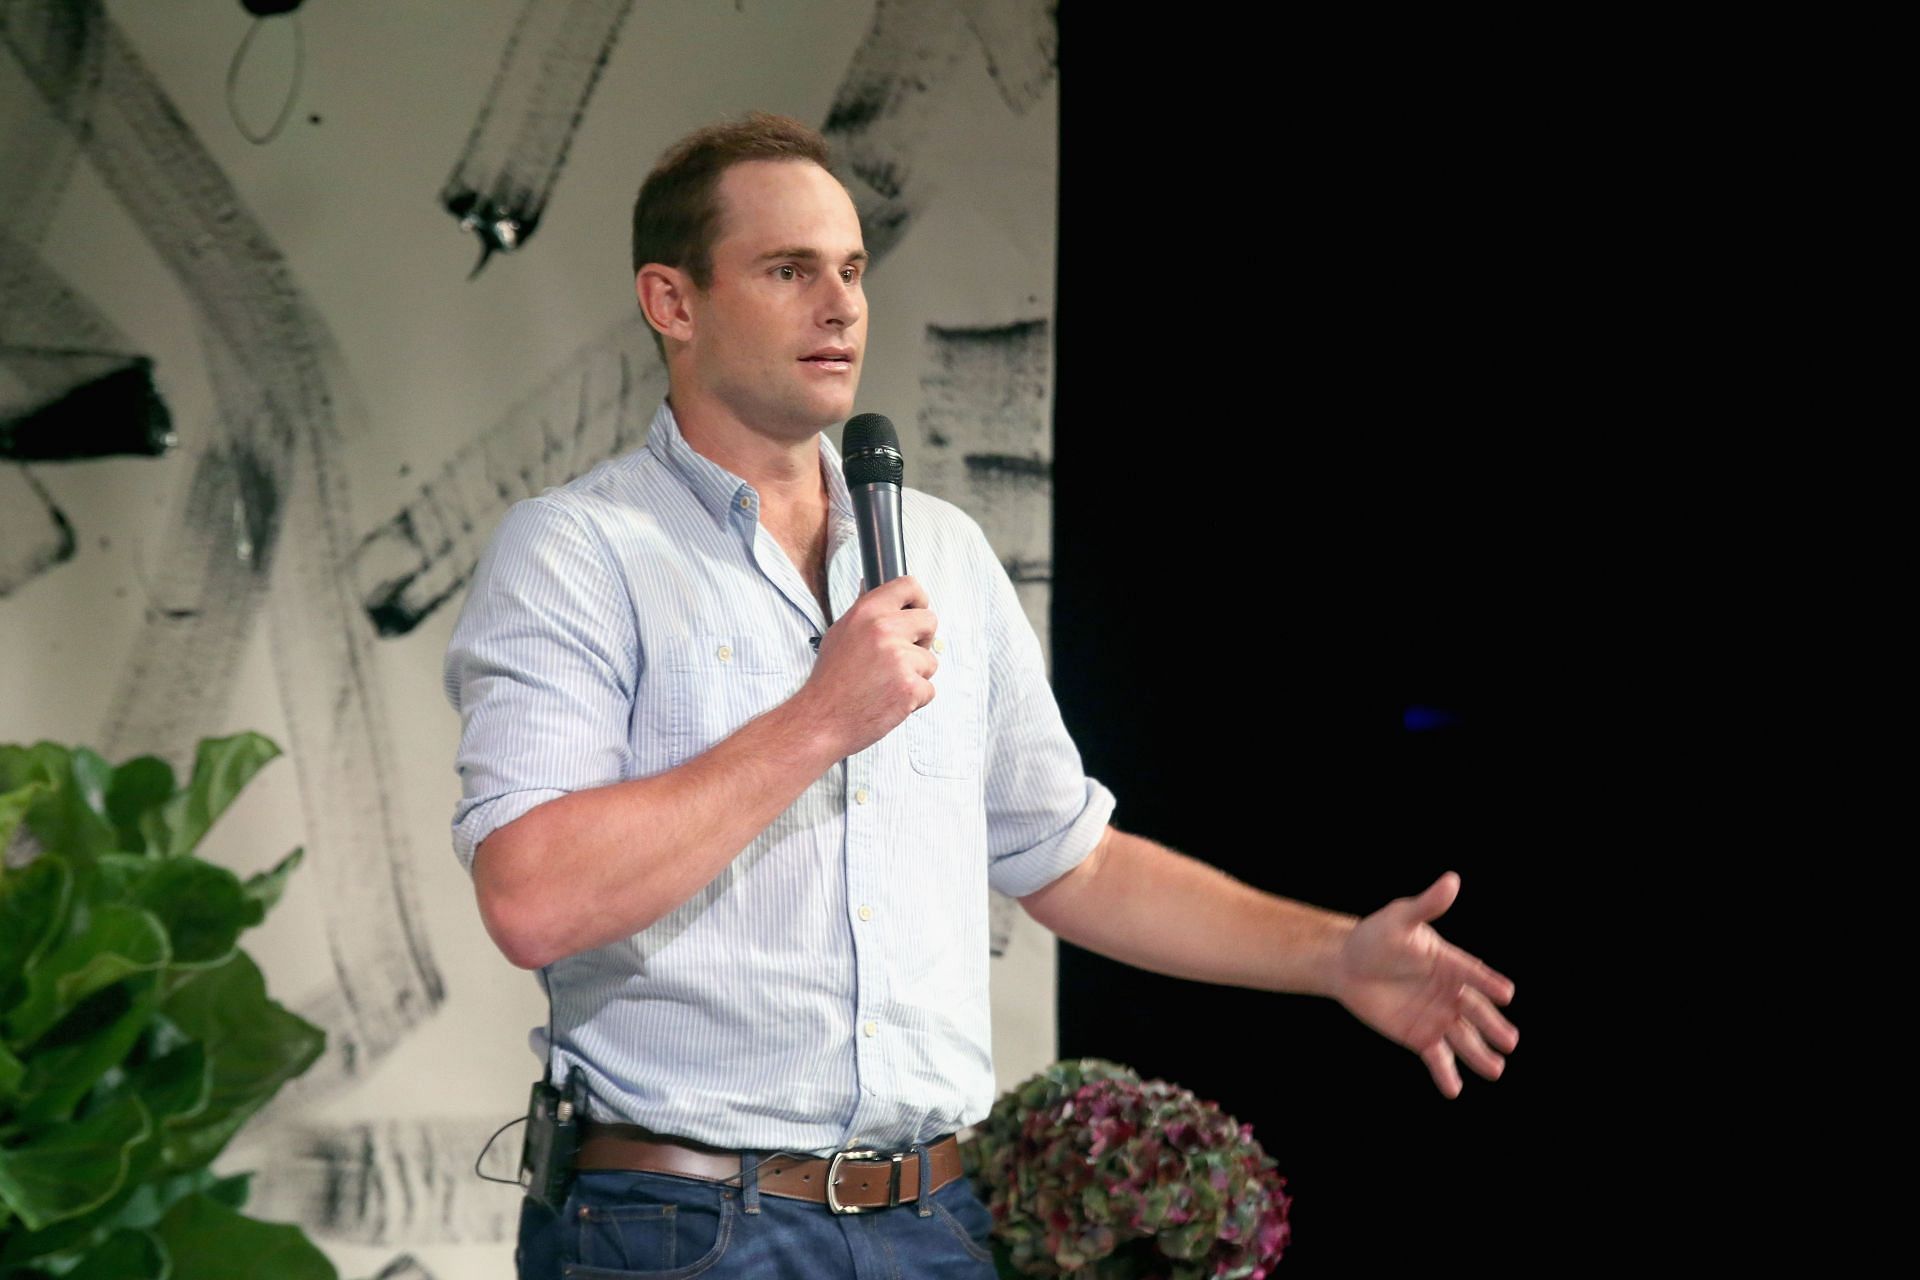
{"points": [[876, 511], [874, 473]]}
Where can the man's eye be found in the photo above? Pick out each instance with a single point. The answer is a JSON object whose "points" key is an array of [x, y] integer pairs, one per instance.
{"points": [[849, 274], [787, 271]]}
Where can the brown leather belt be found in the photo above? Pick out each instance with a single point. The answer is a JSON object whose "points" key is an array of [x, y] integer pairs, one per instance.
{"points": [[856, 1180]]}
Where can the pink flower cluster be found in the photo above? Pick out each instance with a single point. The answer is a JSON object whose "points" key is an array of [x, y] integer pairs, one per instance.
{"points": [[1093, 1172]]}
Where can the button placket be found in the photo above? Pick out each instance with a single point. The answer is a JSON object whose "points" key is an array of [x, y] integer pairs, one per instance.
{"points": [[863, 821]]}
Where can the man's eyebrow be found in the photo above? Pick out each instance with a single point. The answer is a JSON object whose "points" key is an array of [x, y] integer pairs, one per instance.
{"points": [[802, 254]]}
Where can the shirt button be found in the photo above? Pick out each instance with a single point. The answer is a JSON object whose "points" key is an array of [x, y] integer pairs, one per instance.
{"points": [[939, 645], [860, 795], [872, 1028], [746, 503], [724, 653], [866, 913]]}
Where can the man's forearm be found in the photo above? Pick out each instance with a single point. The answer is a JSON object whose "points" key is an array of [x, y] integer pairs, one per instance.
{"points": [[1156, 909], [594, 866]]}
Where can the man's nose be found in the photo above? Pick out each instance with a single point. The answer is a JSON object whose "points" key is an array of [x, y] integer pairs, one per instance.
{"points": [[844, 305]]}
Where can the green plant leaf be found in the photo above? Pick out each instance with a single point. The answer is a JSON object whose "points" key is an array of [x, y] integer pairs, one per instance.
{"points": [[266, 887], [95, 1036], [231, 1191], [140, 786], [33, 907], [209, 1241], [154, 837], [12, 1072], [125, 1255], [165, 1086], [175, 1086], [71, 1168], [13, 811], [71, 818], [42, 762], [135, 1039], [16, 767], [221, 768], [203, 907], [253, 1046], [143, 1199], [151, 1202], [115, 875], [116, 942]]}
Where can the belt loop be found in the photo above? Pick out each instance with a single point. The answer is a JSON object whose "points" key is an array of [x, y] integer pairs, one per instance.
{"points": [[924, 1205], [749, 1182]]}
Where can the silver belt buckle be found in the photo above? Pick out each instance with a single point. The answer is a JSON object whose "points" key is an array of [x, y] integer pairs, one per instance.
{"points": [[863, 1153]]}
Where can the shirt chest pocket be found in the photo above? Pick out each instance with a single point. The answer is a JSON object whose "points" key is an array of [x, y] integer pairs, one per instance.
{"points": [[946, 738], [718, 682]]}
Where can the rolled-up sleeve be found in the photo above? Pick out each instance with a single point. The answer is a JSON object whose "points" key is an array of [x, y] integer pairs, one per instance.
{"points": [[1044, 814], [542, 668]]}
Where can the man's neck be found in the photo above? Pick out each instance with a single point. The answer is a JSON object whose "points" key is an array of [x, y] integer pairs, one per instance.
{"points": [[785, 473]]}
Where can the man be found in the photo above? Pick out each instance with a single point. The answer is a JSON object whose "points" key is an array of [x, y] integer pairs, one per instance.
{"points": [[743, 817]]}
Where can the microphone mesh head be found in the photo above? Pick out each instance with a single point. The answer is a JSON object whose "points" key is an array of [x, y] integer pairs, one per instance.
{"points": [[871, 449]]}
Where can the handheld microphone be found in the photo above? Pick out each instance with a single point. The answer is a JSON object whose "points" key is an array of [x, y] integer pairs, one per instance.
{"points": [[874, 468]]}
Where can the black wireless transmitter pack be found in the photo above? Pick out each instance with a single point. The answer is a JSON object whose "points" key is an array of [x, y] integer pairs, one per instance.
{"points": [[553, 1141]]}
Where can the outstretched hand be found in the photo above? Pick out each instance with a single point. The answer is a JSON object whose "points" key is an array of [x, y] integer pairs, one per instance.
{"points": [[1400, 977]]}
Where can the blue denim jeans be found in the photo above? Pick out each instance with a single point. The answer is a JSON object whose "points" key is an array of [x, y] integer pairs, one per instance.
{"points": [[657, 1226]]}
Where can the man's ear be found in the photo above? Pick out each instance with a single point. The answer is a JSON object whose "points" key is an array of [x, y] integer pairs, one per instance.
{"points": [[666, 296]]}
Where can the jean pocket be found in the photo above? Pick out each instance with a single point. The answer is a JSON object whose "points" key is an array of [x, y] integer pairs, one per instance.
{"points": [[970, 1221], [635, 1226]]}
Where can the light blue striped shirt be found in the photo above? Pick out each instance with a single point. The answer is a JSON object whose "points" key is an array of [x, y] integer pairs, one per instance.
{"points": [[831, 984]]}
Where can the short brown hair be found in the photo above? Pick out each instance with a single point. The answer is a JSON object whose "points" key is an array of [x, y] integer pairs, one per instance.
{"points": [[676, 216]]}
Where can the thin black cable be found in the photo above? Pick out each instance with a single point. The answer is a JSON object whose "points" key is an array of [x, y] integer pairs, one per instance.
{"points": [[508, 1182], [547, 986]]}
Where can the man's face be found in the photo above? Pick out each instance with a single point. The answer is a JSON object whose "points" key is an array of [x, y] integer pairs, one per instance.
{"points": [[780, 334]]}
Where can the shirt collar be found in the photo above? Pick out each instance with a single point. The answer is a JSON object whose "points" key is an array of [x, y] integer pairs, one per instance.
{"points": [[718, 489]]}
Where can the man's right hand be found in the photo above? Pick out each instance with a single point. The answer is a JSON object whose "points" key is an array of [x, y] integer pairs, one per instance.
{"points": [[875, 668]]}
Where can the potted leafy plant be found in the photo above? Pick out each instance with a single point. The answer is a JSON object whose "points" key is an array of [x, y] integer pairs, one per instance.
{"points": [[1092, 1172], [136, 1037]]}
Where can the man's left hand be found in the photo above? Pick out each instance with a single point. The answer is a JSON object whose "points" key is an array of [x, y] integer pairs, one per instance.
{"points": [[1399, 976]]}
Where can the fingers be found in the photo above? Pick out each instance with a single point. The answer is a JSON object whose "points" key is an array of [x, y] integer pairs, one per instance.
{"points": [[1466, 1042], [1478, 974], [1494, 1029], [915, 625], [1476, 1035], [1433, 904], [1439, 1059], [902, 593], [1490, 980], [903, 610]]}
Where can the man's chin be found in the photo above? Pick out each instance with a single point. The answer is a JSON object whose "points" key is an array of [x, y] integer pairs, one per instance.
{"points": [[835, 410], [812, 418]]}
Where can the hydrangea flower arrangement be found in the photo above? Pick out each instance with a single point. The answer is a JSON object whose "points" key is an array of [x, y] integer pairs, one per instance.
{"points": [[1094, 1173]]}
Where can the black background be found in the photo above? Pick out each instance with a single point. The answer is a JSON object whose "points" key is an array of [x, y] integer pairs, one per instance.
{"points": [[1322, 454]]}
